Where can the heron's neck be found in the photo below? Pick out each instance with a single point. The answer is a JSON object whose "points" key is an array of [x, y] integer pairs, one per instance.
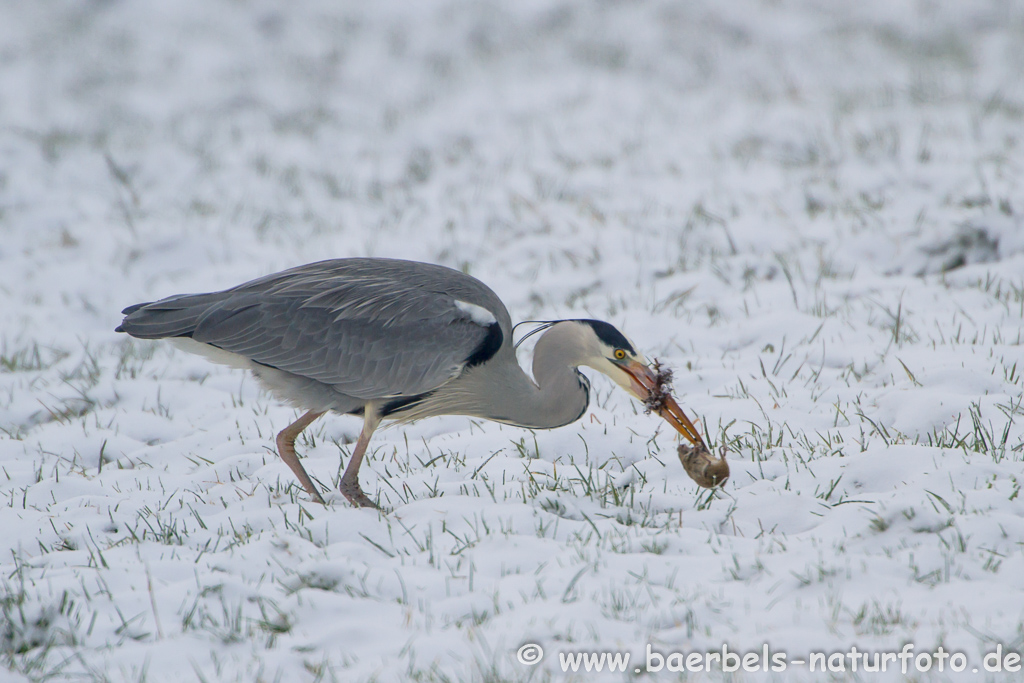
{"points": [[557, 394]]}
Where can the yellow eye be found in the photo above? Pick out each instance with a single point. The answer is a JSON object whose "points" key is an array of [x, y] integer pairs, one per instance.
{"points": [[619, 354]]}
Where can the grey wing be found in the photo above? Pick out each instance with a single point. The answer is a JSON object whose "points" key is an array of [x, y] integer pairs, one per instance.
{"points": [[369, 328]]}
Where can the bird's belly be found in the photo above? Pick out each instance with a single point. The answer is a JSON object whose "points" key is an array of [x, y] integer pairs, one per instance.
{"points": [[211, 353], [299, 391]]}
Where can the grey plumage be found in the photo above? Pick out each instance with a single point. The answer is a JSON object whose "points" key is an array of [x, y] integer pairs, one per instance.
{"points": [[364, 328], [389, 339]]}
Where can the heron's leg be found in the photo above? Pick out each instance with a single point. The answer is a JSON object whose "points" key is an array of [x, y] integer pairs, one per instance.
{"points": [[349, 485], [286, 449]]}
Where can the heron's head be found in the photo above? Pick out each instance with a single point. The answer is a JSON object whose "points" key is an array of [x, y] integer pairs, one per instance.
{"points": [[610, 352]]}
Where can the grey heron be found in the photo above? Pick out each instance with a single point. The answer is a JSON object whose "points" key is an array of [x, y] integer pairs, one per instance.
{"points": [[396, 340]]}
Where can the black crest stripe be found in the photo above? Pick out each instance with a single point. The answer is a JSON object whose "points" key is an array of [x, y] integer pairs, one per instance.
{"points": [[608, 334]]}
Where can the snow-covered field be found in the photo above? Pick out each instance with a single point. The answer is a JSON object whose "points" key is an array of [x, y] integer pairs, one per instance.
{"points": [[812, 210]]}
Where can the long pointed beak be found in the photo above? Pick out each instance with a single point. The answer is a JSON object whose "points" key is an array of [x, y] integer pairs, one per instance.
{"points": [[649, 386]]}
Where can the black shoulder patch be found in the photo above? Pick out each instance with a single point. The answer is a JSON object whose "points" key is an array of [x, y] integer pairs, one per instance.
{"points": [[487, 347], [608, 334]]}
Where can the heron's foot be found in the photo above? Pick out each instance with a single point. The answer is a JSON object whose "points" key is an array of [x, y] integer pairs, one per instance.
{"points": [[354, 494]]}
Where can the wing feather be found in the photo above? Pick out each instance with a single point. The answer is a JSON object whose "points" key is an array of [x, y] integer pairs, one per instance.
{"points": [[369, 328]]}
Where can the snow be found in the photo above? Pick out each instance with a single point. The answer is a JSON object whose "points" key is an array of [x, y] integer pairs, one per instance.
{"points": [[811, 210]]}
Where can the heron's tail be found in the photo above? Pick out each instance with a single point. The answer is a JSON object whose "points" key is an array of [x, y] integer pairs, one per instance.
{"points": [[175, 316]]}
